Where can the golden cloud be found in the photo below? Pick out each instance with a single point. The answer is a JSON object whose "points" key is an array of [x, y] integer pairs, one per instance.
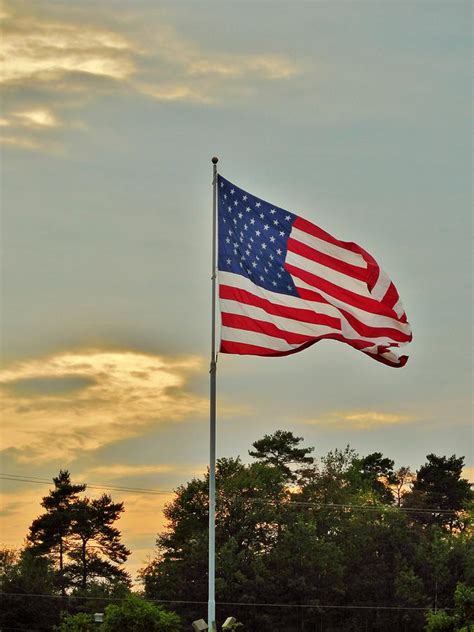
{"points": [[80, 401], [63, 54], [359, 420], [40, 50]]}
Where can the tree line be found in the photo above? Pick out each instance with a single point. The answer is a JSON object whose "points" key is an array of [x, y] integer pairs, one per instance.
{"points": [[345, 542]]}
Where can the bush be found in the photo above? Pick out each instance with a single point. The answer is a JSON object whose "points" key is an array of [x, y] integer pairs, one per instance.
{"points": [[137, 615], [80, 622]]}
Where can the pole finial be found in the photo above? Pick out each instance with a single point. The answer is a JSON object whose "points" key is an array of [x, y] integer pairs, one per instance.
{"points": [[215, 160]]}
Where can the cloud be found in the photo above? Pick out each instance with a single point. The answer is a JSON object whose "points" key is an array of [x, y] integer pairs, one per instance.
{"points": [[60, 59], [358, 420], [62, 405]]}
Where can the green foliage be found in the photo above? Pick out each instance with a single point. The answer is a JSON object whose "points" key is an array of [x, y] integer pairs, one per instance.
{"points": [[439, 621], [80, 622], [328, 533], [439, 485], [79, 537], [281, 450], [23, 576], [137, 615]]}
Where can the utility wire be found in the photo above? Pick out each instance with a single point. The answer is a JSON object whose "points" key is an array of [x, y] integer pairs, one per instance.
{"points": [[296, 503], [228, 603]]}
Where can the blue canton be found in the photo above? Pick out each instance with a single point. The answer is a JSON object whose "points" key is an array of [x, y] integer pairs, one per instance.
{"points": [[253, 236]]}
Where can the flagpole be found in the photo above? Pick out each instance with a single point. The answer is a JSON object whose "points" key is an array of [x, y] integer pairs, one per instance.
{"points": [[211, 607]]}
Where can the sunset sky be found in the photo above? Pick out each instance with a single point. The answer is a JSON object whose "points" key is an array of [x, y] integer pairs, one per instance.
{"points": [[355, 115]]}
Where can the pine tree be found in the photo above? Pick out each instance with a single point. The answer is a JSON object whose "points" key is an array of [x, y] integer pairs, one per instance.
{"points": [[49, 533]]}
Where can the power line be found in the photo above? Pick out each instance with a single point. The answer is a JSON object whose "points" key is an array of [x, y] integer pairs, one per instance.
{"points": [[228, 603], [296, 503]]}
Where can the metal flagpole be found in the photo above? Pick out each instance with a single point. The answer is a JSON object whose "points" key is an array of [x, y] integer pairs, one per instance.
{"points": [[211, 608]]}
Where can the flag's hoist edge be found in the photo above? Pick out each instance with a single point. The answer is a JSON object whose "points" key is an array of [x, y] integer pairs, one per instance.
{"points": [[285, 284]]}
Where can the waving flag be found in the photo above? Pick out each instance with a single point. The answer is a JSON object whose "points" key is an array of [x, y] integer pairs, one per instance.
{"points": [[285, 284]]}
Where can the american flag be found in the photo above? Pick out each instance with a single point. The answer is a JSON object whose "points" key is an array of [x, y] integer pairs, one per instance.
{"points": [[285, 284]]}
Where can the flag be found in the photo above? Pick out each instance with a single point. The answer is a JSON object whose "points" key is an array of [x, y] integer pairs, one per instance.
{"points": [[285, 284]]}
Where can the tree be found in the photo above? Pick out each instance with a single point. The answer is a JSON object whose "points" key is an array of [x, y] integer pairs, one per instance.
{"points": [[79, 536], [134, 614], [440, 492], [80, 622], [281, 450], [97, 552], [50, 532], [28, 591], [374, 473]]}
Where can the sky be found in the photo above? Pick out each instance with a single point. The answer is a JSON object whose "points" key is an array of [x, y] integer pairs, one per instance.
{"points": [[353, 114]]}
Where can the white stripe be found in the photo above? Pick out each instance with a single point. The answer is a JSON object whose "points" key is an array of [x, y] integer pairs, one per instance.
{"points": [[230, 334], [380, 288], [286, 324], [328, 274], [328, 249], [366, 318], [242, 283]]}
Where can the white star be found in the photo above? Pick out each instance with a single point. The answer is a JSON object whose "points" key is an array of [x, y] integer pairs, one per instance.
{"points": [[236, 245], [264, 246], [230, 231], [222, 184], [257, 232], [244, 198], [232, 191], [224, 220], [287, 217], [248, 209], [235, 252], [272, 257], [254, 264], [274, 282], [245, 227], [289, 287], [266, 227], [272, 211], [229, 208], [234, 220], [272, 239], [258, 204], [278, 251], [252, 221], [282, 233], [227, 240], [228, 262], [266, 270], [235, 203], [247, 252], [261, 215], [225, 196], [240, 215], [262, 278], [275, 221], [278, 275]]}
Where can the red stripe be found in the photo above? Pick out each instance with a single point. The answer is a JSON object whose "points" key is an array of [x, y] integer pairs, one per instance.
{"points": [[239, 348], [294, 313], [244, 349], [351, 298], [262, 327], [326, 260], [391, 297], [374, 332]]}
